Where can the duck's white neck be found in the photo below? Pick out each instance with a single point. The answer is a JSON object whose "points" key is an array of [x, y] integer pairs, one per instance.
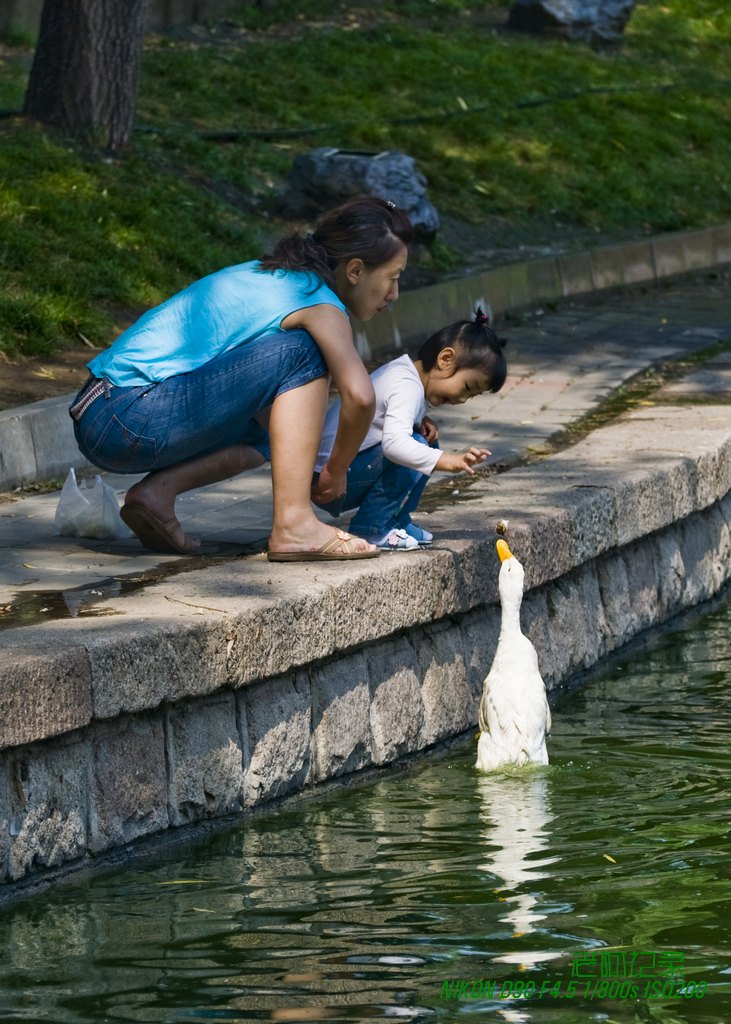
{"points": [[510, 584], [510, 620]]}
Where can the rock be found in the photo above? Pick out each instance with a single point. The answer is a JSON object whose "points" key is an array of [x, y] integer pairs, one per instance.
{"points": [[597, 22], [324, 177]]}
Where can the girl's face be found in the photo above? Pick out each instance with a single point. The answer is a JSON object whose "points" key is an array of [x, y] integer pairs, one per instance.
{"points": [[366, 291], [447, 385]]}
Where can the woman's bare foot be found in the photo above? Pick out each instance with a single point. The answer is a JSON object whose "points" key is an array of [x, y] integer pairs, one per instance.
{"points": [[315, 538], [156, 494], [151, 516]]}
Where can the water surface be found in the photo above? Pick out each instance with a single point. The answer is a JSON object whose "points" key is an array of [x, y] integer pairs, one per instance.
{"points": [[380, 901]]}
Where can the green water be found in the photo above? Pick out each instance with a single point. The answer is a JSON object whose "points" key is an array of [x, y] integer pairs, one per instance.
{"points": [[361, 905]]}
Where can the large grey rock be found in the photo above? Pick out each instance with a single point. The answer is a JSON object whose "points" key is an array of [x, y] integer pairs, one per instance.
{"points": [[597, 22], [341, 733], [449, 707], [397, 710], [324, 177]]}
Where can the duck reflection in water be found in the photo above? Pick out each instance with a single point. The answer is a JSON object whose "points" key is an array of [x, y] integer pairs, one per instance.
{"points": [[516, 815]]}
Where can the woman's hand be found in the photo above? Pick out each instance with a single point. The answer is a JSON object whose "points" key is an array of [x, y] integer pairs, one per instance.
{"points": [[457, 463], [330, 486], [428, 429]]}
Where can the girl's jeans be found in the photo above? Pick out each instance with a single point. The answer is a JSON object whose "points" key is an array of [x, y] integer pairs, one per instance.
{"points": [[383, 492]]}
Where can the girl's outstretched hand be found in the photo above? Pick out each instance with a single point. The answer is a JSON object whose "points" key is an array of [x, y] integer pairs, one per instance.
{"points": [[466, 461]]}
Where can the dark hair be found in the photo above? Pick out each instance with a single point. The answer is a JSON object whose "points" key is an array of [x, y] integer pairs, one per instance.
{"points": [[477, 347], [365, 227]]}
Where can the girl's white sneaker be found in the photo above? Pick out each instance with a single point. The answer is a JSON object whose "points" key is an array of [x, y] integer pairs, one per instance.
{"points": [[395, 540]]}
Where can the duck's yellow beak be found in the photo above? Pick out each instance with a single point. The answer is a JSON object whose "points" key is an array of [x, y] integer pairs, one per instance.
{"points": [[503, 550]]}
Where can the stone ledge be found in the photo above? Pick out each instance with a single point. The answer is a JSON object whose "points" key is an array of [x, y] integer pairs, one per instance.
{"points": [[244, 621]]}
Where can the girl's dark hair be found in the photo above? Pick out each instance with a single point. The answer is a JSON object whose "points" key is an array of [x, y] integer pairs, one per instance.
{"points": [[365, 227], [476, 344]]}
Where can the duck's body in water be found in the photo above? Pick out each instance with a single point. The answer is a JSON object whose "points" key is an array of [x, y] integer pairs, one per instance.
{"points": [[514, 716]]}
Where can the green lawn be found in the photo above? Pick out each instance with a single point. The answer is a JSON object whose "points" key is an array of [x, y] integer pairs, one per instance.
{"points": [[623, 142]]}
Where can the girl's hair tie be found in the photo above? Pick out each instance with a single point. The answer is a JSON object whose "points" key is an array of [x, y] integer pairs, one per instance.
{"points": [[480, 317]]}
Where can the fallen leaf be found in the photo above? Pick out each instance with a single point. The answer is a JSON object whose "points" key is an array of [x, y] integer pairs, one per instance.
{"points": [[610, 859]]}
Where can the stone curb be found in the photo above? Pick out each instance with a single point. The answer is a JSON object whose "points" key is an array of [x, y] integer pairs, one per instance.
{"points": [[37, 441], [515, 286]]}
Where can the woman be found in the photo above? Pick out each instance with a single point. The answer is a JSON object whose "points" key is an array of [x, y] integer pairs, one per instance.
{"points": [[185, 393]]}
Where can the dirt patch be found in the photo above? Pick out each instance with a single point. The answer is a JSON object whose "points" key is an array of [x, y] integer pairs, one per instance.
{"points": [[23, 381]]}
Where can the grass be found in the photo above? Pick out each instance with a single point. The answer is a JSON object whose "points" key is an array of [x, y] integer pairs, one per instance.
{"points": [[509, 130]]}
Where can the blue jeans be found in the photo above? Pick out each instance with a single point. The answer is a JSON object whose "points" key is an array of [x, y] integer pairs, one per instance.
{"points": [[151, 427], [383, 492]]}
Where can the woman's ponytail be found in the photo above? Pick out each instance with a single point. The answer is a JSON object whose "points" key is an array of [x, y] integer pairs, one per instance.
{"points": [[368, 228]]}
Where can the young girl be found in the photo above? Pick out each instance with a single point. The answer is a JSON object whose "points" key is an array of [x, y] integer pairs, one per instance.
{"points": [[400, 451]]}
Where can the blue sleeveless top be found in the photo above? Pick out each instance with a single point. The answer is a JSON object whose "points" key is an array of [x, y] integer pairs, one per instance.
{"points": [[210, 317]]}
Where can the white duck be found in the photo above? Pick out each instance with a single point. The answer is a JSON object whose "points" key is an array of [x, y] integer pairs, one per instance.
{"points": [[514, 714]]}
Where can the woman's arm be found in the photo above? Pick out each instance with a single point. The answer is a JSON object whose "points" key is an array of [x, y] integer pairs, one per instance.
{"points": [[333, 335]]}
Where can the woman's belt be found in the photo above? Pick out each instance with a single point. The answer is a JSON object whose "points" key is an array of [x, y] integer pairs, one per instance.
{"points": [[93, 388]]}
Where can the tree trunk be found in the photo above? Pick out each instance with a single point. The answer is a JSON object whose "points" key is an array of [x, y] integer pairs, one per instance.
{"points": [[86, 69]]}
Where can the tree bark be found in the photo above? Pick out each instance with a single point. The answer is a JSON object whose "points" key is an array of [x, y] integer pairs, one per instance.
{"points": [[86, 69]]}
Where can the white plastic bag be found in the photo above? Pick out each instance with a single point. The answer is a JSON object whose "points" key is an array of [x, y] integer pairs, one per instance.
{"points": [[91, 511]]}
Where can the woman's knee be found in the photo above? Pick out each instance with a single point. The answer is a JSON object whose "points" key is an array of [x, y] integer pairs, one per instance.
{"points": [[301, 361]]}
